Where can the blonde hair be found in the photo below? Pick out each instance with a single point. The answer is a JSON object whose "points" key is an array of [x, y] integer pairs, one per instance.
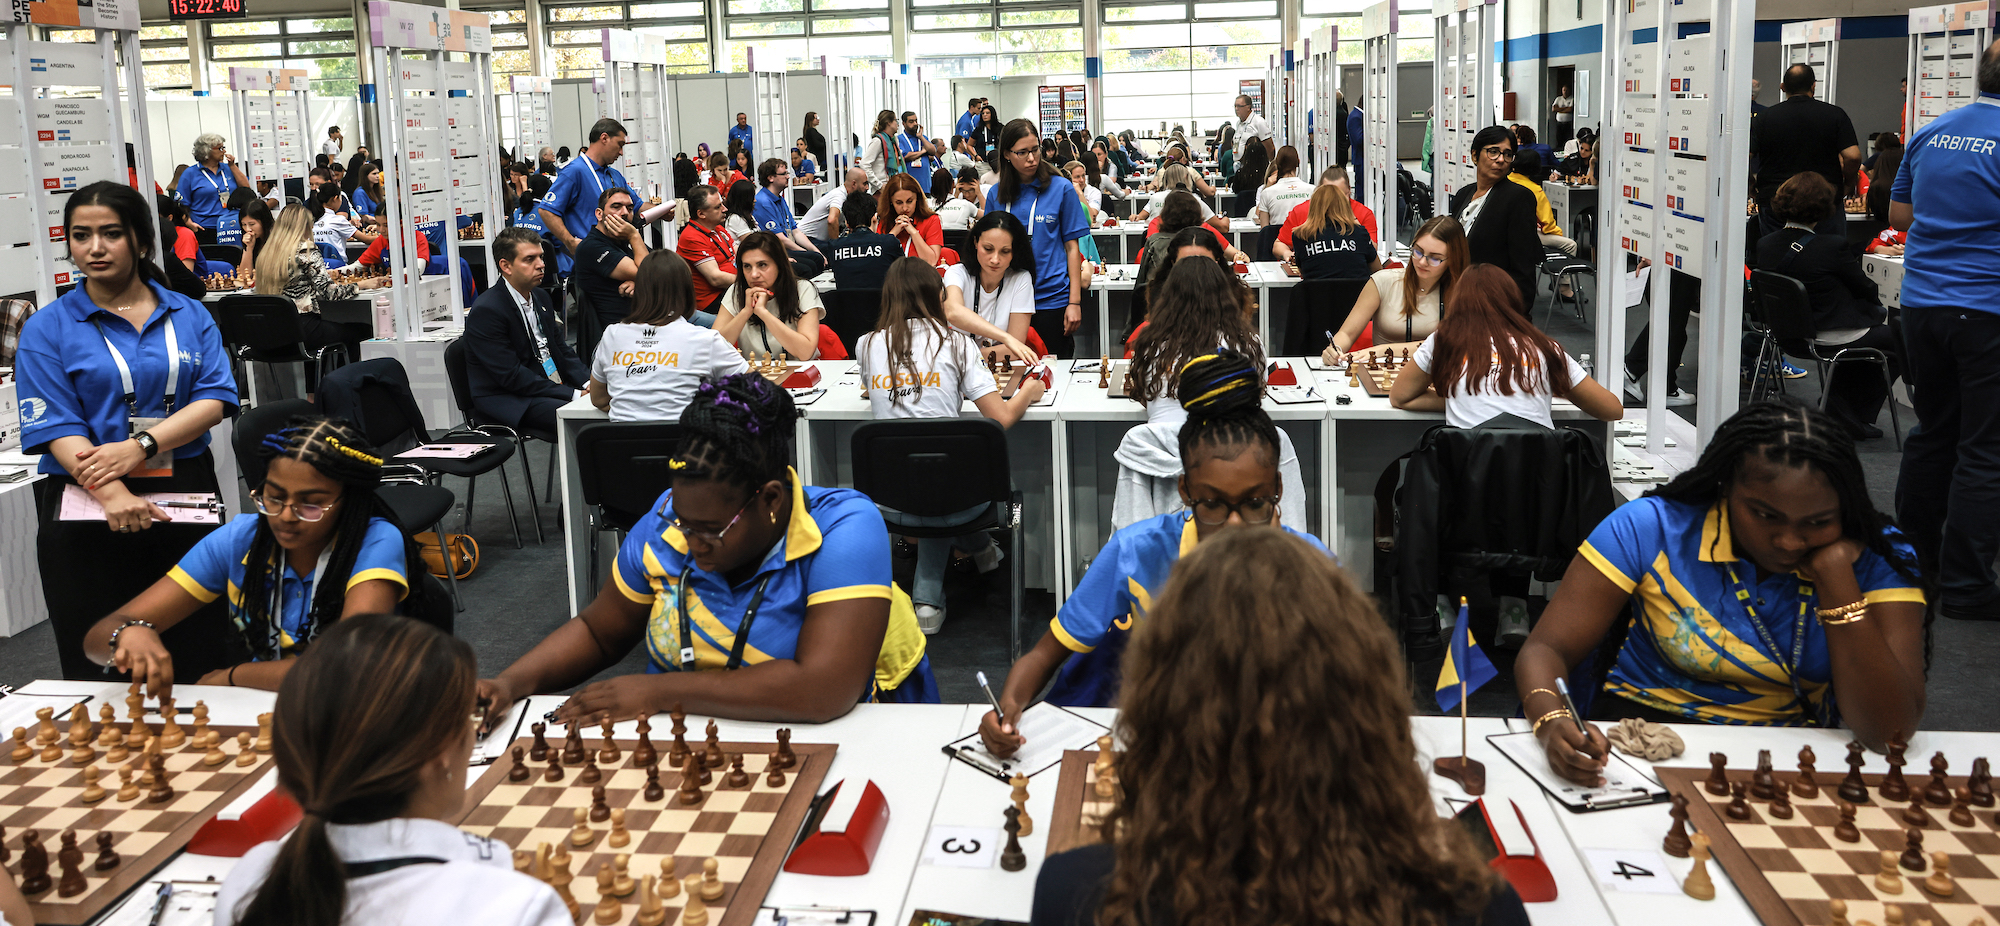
{"points": [[1330, 205], [1175, 176], [280, 257]]}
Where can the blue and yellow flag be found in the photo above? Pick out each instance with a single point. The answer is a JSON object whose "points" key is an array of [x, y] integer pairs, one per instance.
{"points": [[1464, 657]]}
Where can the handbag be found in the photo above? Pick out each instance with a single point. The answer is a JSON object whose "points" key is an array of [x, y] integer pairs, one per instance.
{"points": [[464, 554]]}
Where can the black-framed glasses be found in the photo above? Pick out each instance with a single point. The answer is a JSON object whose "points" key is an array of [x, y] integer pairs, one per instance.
{"points": [[1495, 151], [1254, 510], [713, 539], [1024, 152], [308, 513], [1433, 260]]}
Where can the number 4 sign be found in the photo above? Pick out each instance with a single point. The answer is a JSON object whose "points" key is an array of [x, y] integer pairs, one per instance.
{"points": [[1634, 871]]}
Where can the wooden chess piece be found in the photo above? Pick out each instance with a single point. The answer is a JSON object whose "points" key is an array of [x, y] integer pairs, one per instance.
{"points": [[696, 912], [737, 779], [1805, 785], [581, 834], [644, 753], [135, 702], [1913, 850], [608, 910], [1698, 884], [622, 884], [520, 770], [1852, 790], [1980, 783], [677, 753], [34, 863], [1892, 915], [1887, 879], [599, 810], [1718, 775], [1893, 787], [1677, 843], [79, 726], [1845, 830], [119, 752], [1780, 807], [1938, 792], [22, 751], [162, 791], [610, 754], [92, 791], [200, 722], [785, 754], [653, 790], [107, 719], [264, 732], [711, 755], [172, 736], [1914, 815], [1011, 856], [670, 883], [775, 771], [53, 752], [573, 752], [139, 735], [559, 862], [620, 836], [83, 754], [1105, 769], [215, 755], [539, 750], [1738, 809], [711, 880], [1961, 808], [555, 772], [106, 858], [1762, 782], [1104, 372], [691, 780], [128, 790], [651, 911], [70, 859], [1940, 882], [524, 862], [590, 774], [1837, 909], [1020, 799]]}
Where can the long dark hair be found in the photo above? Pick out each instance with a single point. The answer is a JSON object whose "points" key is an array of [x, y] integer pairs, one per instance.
{"points": [[337, 448], [1198, 308], [1486, 332], [785, 291], [133, 213], [736, 430], [256, 209], [1888, 163], [1023, 257], [1008, 187], [1250, 170], [663, 291], [1193, 235], [911, 292], [742, 202], [353, 754]]}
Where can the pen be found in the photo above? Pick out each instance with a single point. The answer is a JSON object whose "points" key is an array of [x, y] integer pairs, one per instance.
{"points": [[1562, 691], [990, 699], [204, 506]]}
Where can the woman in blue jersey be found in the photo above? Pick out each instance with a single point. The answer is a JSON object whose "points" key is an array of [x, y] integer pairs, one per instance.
{"points": [[529, 215], [1048, 206], [1229, 453], [1764, 590], [206, 186], [756, 597], [320, 518]]}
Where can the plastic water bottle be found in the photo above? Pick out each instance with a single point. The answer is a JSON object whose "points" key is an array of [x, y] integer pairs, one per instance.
{"points": [[385, 317], [1583, 360]]}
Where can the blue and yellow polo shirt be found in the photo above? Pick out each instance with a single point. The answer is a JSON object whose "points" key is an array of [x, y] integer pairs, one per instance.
{"points": [[835, 548], [217, 564], [1692, 649], [1096, 620]]}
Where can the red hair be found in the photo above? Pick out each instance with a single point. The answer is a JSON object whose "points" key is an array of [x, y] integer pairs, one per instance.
{"points": [[885, 211], [1485, 330]]}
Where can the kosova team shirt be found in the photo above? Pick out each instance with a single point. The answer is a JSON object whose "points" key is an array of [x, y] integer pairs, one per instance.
{"points": [[651, 371], [948, 373]]}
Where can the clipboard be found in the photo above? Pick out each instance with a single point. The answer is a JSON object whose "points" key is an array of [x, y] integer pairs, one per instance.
{"points": [[1051, 730], [1625, 785]]}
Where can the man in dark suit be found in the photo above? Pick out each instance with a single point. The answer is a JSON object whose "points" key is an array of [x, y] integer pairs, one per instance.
{"points": [[519, 364]]}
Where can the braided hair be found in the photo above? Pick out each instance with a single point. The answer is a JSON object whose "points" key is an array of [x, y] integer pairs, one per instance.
{"points": [[736, 430], [1223, 393], [335, 447]]}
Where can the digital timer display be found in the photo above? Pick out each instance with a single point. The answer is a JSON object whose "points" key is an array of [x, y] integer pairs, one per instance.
{"points": [[205, 9]]}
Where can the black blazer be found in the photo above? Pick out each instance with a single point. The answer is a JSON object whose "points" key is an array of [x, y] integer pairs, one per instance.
{"points": [[1508, 234], [1842, 295], [501, 362]]}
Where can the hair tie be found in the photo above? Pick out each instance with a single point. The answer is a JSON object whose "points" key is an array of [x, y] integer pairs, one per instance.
{"points": [[677, 463], [278, 442], [367, 458]]}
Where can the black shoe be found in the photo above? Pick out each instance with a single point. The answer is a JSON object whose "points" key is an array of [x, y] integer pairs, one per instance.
{"points": [[1867, 432], [1982, 611]]}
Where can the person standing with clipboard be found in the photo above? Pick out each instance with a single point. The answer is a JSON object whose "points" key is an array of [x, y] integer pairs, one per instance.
{"points": [[120, 382]]}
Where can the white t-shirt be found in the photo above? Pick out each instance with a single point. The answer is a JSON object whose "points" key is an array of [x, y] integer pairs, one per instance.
{"points": [[1095, 197], [1016, 295], [652, 371], [814, 223], [755, 338], [332, 228], [956, 213], [949, 374], [1158, 201], [330, 147], [1278, 199], [1255, 126], [1467, 409], [737, 226], [1567, 103]]}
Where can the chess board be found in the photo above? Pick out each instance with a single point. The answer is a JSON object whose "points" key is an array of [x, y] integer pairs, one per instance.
{"points": [[1787, 870], [1373, 380], [47, 797], [749, 832], [1291, 269], [1078, 809]]}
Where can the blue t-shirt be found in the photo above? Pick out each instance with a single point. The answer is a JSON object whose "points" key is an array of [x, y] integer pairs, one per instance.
{"points": [[967, 121], [218, 563], [835, 548], [1054, 217], [206, 192], [69, 386], [573, 197], [1694, 648], [530, 217], [806, 167], [921, 167], [1951, 175], [743, 133], [364, 204], [1096, 620], [773, 213]]}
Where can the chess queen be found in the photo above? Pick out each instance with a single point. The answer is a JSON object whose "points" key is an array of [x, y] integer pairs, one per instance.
{"points": [[379, 769], [739, 566], [1763, 589], [120, 381]]}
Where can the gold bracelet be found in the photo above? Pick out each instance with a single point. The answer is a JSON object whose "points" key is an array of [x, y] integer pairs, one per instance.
{"points": [[1545, 718], [1524, 699], [1843, 610], [1859, 615]]}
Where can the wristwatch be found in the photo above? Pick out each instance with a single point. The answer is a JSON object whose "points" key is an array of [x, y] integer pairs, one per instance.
{"points": [[147, 442]]}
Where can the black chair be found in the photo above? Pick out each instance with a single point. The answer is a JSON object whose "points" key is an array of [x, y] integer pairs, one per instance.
{"points": [[1241, 204], [1266, 238], [940, 466], [1317, 310], [413, 505], [851, 313], [589, 328], [957, 240], [226, 253], [504, 437], [1787, 309], [622, 468], [1562, 268], [265, 329], [461, 398]]}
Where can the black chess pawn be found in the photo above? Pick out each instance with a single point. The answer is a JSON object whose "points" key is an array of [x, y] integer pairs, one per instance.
{"points": [[1893, 787], [540, 750], [644, 753], [1938, 792], [1718, 775], [555, 772], [1781, 803], [1738, 809], [1913, 850], [69, 859], [590, 773], [1914, 815], [600, 809], [1980, 783], [1961, 811], [653, 790], [737, 777], [1677, 843], [1806, 784], [34, 864], [1852, 789], [1762, 782], [1845, 830], [1011, 857], [107, 859], [520, 770]]}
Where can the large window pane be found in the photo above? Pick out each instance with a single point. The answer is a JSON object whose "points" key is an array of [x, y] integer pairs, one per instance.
{"points": [[505, 17], [1242, 9], [1010, 18], [1165, 12], [758, 7], [584, 61], [152, 33], [876, 24], [1137, 40], [169, 75], [223, 30], [591, 37], [510, 39], [253, 50], [1236, 33], [970, 19], [584, 14], [754, 28], [666, 11], [697, 35]]}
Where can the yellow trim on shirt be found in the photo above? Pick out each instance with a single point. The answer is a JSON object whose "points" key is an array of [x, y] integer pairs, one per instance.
{"points": [[847, 593], [802, 535], [1885, 595], [1718, 545], [630, 593], [1063, 637], [1188, 537], [1624, 582], [720, 637], [189, 585], [384, 574]]}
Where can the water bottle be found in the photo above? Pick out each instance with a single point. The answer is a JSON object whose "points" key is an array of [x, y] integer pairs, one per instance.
{"points": [[385, 317], [1583, 360]]}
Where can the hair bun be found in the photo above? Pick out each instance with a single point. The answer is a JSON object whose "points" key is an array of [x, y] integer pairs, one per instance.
{"points": [[1219, 384]]}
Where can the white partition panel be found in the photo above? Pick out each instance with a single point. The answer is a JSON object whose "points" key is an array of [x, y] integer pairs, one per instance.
{"points": [[270, 114], [1466, 79], [1378, 91], [528, 110], [1816, 43], [770, 116], [828, 90], [1322, 79], [1945, 45], [635, 93]]}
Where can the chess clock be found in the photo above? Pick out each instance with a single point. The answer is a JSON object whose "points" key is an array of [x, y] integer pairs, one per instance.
{"points": [[206, 9], [1500, 836]]}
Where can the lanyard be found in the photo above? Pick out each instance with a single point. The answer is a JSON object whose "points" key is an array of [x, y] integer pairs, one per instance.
{"points": [[742, 627], [593, 175], [211, 180], [277, 614], [125, 371], [1806, 597], [725, 244], [534, 325]]}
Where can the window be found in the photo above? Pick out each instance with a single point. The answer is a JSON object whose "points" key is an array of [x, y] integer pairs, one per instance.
{"points": [[163, 49], [323, 48], [576, 34], [1180, 63], [800, 31], [996, 38]]}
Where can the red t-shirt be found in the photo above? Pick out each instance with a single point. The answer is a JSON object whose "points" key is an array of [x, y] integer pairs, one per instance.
{"points": [[931, 230], [1153, 228], [184, 245], [698, 244], [1888, 237], [375, 248], [1300, 212]]}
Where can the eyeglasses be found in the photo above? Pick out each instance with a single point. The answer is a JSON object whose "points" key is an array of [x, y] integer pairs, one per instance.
{"points": [[1428, 259], [707, 538], [1255, 510], [308, 513], [1495, 151], [1024, 152]]}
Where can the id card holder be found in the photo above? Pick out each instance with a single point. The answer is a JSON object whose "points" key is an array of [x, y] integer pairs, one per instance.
{"points": [[549, 369], [159, 464]]}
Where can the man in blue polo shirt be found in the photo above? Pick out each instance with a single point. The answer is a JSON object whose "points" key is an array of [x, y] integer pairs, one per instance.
{"points": [[741, 134], [570, 208], [1047, 204], [1947, 197], [774, 214], [915, 150], [968, 120]]}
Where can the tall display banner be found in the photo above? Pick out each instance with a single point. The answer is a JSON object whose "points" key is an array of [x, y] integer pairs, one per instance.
{"points": [[1466, 76], [65, 125], [436, 119], [269, 111], [836, 115], [1673, 175], [1945, 45], [770, 118], [529, 103], [1322, 78], [1815, 43], [1378, 114], [634, 92]]}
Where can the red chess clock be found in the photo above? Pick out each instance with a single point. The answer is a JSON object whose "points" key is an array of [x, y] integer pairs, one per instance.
{"points": [[842, 832], [1504, 841], [1282, 376], [270, 818], [805, 377]]}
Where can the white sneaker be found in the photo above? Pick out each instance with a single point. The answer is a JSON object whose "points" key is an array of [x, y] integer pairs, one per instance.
{"points": [[1679, 397], [988, 559], [1514, 627], [930, 618]]}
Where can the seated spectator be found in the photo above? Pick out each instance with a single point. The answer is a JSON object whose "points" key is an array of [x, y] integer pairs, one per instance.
{"points": [[333, 227], [962, 203], [1882, 176], [805, 172], [608, 259], [184, 267], [1332, 176], [1528, 167], [824, 221], [861, 258], [1331, 245], [518, 361], [1581, 167], [291, 266], [529, 213], [903, 211], [707, 247], [1180, 211], [374, 255], [646, 367], [741, 205], [1524, 141], [770, 310], [1845, 311]]}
